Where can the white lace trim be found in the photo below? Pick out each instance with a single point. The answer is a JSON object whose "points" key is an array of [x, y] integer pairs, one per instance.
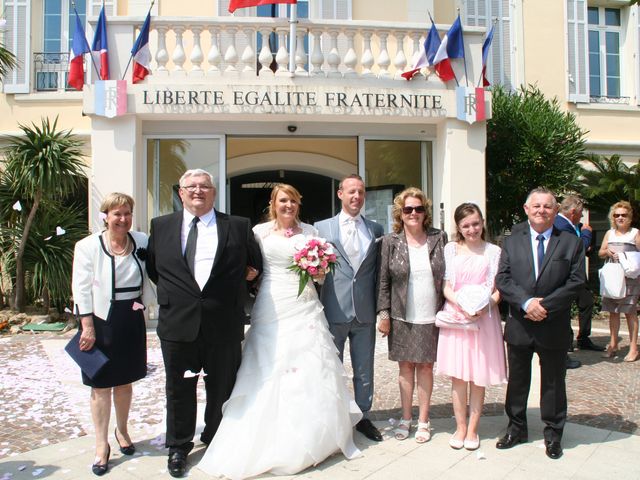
{"points": [[263, 230]]}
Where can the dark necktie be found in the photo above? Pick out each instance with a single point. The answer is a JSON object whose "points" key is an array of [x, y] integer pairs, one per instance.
{"points": [[540, 239], [190, 248]]}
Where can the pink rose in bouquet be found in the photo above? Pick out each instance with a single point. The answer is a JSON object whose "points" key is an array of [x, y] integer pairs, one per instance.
{"points": [[314, 257]]}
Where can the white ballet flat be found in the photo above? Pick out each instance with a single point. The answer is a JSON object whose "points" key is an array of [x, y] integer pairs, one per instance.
{"points": [[455, 443], [472, 444]]}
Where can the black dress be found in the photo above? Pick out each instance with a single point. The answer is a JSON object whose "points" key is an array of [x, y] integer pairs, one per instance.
{"points": [[122, 336]]}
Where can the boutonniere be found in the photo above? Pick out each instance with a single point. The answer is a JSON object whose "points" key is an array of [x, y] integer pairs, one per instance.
{"points": [[141, 253]]}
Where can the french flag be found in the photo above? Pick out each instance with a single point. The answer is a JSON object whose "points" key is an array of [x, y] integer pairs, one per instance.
{"points": [[452, 46], [426, 56], [79, 47], [100, 45], [485, 56], [235, 4], [141, 53]]}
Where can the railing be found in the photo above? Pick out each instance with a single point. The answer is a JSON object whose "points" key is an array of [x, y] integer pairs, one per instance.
{"points": [[51, 71], [196, 47]]}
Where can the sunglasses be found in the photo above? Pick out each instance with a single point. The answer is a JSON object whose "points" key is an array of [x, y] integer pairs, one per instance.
{"points": [[617, 215], [409, 210]]}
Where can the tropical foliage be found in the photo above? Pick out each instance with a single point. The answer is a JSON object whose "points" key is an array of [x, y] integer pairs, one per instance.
{"points": [[43, 171], [608, 180], [531, 142], [7, 61]]}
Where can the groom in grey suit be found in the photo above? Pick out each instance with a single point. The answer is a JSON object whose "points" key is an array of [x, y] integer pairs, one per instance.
{"points": [[348, 294]]}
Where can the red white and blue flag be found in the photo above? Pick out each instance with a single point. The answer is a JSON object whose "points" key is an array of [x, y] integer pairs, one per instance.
{"points": [[426, 57], [235, 4], [100, 45], [79, 47], [485, 56], [141, 53], [452, 46]]}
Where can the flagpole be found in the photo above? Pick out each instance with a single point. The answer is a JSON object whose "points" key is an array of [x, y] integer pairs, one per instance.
{"points": [[464, 57], [494, 23], [86, 43], [293, 27], [131, 56]]}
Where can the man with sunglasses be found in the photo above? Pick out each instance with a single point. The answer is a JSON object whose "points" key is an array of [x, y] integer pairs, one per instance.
{"points": [[199, 259], [348, 294]]}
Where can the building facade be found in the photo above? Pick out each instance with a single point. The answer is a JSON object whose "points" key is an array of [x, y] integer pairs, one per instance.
{"points": [[227, 94]]}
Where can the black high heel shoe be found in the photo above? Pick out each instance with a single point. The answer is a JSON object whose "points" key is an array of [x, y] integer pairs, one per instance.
{"points": [[100, 469], [127, 449]]}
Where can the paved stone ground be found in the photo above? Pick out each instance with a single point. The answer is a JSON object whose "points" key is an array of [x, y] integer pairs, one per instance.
{"points": [[43, 402]]}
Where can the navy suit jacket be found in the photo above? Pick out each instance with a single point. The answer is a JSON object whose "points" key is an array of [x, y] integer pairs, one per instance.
{"points": [[560, 279], [565, 225]]}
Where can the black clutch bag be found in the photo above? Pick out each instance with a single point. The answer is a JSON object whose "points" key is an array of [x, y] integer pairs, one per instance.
{"points": [[89, 361]]}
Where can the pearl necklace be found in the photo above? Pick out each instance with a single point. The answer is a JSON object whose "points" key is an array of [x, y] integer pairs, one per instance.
{"points": [[112, 250]]}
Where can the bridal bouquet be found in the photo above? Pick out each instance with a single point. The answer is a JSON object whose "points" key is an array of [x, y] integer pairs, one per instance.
{"points": [[313, 257]]}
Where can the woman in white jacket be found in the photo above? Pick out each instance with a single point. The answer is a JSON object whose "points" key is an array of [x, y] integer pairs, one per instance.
{"points": [[108, 284]]}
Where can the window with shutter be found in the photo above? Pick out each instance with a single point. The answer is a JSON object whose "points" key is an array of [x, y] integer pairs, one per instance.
{"points": [[578, 85], [635, 13], [17, 40], [110, 6], [481, 13]]}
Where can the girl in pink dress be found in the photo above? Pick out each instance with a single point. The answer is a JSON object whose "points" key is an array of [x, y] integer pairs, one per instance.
{"points": [[472, 357]]}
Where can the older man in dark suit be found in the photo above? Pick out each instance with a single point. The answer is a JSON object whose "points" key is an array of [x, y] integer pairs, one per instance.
{"points": [[199, 259], [541, 272], [568, 220]]}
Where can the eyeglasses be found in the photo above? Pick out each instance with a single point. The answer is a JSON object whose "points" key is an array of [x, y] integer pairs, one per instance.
{"points": [[193, 188], [409, 210], [622, 215]]}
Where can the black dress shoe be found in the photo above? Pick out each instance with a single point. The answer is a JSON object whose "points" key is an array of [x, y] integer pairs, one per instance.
{"points": [[369, 430], [573, 363], [127, 449], [587, 344], [510, 441], [553, 449], [177, 464], [100, 469]]}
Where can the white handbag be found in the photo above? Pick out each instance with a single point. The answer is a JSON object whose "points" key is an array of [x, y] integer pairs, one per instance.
{"points": [[612, 282], [630, 262]]}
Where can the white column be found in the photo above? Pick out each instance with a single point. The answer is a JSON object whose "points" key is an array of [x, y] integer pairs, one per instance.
{"points": [[162, 56], [459, 167], [196, 54], [178, 56], [116, 143]]}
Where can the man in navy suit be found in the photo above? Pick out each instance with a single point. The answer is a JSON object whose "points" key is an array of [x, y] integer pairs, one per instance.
{"points": [[540, 274], [568, 220]]}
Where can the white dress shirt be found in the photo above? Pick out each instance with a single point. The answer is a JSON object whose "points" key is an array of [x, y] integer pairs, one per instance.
{"points": [[207, 243], [534, 247]]}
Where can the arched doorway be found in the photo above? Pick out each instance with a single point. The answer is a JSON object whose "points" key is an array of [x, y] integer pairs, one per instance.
{"points": [[249, 194]]}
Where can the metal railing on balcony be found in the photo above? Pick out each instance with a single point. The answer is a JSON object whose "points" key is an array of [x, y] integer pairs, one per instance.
{"points": [[51, 70]]}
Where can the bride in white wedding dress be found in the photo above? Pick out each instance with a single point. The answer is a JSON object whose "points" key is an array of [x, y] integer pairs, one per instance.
{"points": [[291, 406]]}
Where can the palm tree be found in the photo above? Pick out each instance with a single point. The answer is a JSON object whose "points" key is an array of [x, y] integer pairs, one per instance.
{"points": [[46, 165], [7, 61], [609, 180]]}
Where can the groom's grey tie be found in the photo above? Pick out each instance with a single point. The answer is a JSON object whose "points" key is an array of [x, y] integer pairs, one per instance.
{"points": [[352, 242]]}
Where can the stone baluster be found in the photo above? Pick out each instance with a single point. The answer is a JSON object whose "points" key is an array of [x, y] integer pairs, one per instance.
{"points": [[350, 58], [266, 56], [162, 56], [214, 58], [197, 57], [367, 60], [333, 59], [317, 58], [301, 55], [231, 54], [383, 57], [400, 60], [178, 56], [282, 57], [248, 55], [417, 45]]}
